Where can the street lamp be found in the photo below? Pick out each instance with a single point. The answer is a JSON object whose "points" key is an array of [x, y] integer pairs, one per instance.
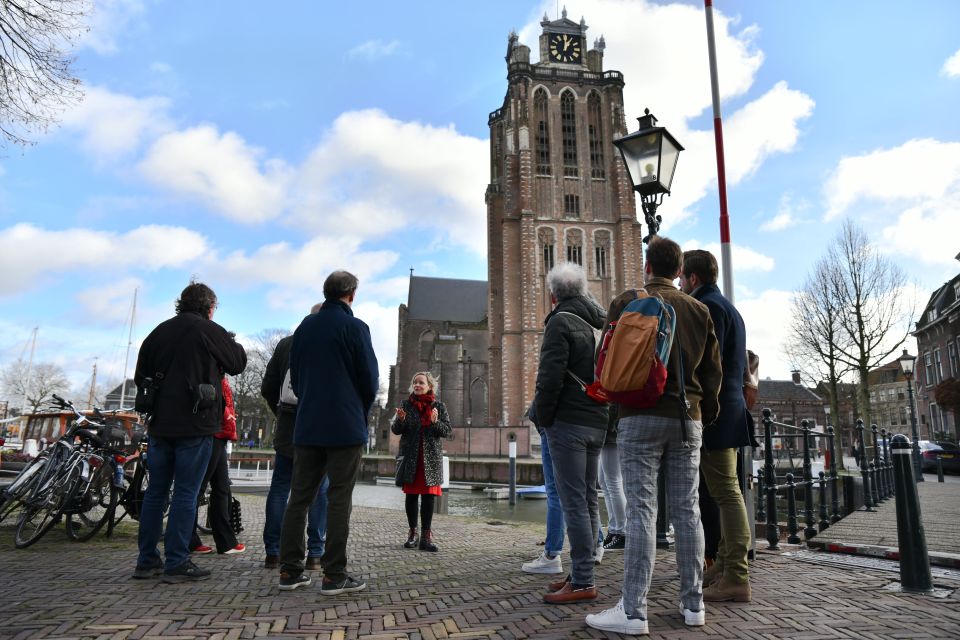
{"points": [[650, 156], [907, 363]]}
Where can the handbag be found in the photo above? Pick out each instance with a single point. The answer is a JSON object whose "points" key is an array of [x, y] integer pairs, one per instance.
{"points": [[398, 475], [147, 394], [236, 516]]}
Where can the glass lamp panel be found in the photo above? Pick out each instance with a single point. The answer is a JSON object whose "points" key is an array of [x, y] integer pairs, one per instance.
{"points": [[906, 362], [668, 162], [641, 154]]}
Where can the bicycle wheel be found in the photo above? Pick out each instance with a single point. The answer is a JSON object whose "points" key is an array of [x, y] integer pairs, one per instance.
{"points": [[135, 473], [43, 510], [21, 486], [93, 508]]}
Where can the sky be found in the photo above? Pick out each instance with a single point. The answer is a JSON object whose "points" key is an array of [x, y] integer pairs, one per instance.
{"points": [[258, 151]]}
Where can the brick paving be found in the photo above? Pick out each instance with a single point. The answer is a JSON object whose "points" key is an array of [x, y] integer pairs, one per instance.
{"points": [[473, 588]]}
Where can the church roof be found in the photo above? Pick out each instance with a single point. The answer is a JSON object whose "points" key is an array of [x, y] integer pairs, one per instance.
{"points": [[447, 299]]}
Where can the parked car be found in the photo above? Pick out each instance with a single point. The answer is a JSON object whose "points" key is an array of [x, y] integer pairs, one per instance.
{"points": [[946, 451], [950, 456]]}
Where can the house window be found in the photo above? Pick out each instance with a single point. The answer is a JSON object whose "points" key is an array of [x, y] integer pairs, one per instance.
{"points": [[547, 257], [568, 132], [952, 351], [571, 205], [903, 415], [937, 368], [928, 361], [575, 254], [601, 256], [542, 132], [595, 133]]}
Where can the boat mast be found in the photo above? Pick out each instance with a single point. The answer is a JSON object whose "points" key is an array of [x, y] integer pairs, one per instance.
{"points": [[93, 386], [26, 381], [126, 359]]}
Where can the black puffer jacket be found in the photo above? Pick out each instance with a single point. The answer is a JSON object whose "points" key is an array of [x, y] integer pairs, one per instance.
{"points": [[411, 432], [568, 343]]}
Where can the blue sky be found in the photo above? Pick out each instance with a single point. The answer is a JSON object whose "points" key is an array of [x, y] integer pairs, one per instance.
{"points": [[260, 150]]}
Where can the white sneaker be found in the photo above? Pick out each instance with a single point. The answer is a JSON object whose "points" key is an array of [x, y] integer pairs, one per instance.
{"points": [[693, 618], [598, 553], [616, 620], [543, 564]]}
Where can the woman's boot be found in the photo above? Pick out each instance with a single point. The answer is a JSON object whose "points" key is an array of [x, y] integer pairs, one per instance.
{"points": [[411, 539], [426, 541]]}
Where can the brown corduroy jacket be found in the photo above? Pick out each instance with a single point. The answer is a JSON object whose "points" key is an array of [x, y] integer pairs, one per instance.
{"points": [[701, 355]]}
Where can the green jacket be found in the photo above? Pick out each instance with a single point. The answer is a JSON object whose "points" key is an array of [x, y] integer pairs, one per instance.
{"points": [[702, 370]]}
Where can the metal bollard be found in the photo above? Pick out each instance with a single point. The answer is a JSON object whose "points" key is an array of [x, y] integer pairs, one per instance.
{"points": [[887, 463], [864, 470], [809, 531], [834, 481], [792, 527], [824, 522], [770, 481], [761, 514], [513, 472], [879, 481], [911, 539], [939, 469]]}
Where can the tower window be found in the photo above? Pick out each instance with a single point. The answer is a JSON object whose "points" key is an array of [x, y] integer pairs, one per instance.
{"points": [[575, 254], [547, 257], [571, 205], [568, 130], [542, 132], [601, 256], [595, 133]]}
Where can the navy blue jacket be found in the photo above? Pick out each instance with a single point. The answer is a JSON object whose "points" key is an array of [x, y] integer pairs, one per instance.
{"points": [[731, 428], [334, 373]]}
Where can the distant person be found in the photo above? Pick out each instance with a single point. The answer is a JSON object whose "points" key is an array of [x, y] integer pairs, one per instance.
{"points": [[218, 477], [333, 372], [183, 360], [422, 422], [729, 577], [575, 425], [283, 403], [668, 435]]}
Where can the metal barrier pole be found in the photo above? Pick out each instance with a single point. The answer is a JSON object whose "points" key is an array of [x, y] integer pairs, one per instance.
{"points": [[914, 561], [824, 522], [879, 481], [770, 480], [809, 531], [761, 514], [939, 468], [887, 463], [513, 472], [834, 480], [792, 525], [864, 471]]}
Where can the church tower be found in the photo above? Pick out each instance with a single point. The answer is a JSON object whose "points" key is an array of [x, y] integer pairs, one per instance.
{"points": [[558, 191]]}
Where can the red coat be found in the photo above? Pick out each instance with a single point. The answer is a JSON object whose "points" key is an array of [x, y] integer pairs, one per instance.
{"points": [[228, 430]]}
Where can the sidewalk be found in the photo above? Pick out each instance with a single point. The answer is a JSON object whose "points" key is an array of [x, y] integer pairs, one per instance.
{"points": [[473, 588]]}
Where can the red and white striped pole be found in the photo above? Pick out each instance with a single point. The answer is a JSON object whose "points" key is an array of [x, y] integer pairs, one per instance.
{"points": [[726, 259]]}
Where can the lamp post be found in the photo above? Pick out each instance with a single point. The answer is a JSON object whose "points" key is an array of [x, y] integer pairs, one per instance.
{"points": [[650, 156], [907, 363]]}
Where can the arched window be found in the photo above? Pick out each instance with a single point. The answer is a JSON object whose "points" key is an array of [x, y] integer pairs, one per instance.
{"points": [[542, 133], [546, 246], [595, 131], [568, 131], [426, 346], [575, 247]]}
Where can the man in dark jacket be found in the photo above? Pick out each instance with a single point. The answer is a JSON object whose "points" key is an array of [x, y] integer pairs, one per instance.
{"points": [[574, 424], [333, 371], [286, 413], [184, 360], [728, 578], [668, 435]]}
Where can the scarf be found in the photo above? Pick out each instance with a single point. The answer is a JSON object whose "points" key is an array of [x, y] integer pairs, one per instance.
{"points": [[424, 406]]}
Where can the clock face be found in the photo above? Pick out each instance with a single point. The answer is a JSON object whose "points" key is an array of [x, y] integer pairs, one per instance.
{"points": [[565, 48]]}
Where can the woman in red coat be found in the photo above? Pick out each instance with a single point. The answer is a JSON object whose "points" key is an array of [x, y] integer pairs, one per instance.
{"points": [[218, 512]]}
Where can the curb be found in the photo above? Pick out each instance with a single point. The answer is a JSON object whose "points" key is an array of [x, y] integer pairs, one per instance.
{"points": [[937, 558]]}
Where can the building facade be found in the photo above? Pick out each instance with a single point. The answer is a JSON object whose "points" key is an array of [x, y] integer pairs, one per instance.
{"points": [[558, 192], [938, 345]]}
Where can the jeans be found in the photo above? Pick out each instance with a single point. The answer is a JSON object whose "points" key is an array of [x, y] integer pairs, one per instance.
{"points": [[575, 452], [719, 468], [612, 483], [180, 462], [554, 543], [342, 466], [277, 504], [646, 442]]}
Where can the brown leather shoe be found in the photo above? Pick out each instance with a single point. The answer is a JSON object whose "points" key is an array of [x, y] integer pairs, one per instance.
{"points": [[313, 563], [271, 562], [559, 584], [568, 595], [725, 591]]}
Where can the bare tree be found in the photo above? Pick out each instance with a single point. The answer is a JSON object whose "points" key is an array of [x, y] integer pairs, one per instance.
{"points": [[45, 380], [246, 386], [36, 81]]}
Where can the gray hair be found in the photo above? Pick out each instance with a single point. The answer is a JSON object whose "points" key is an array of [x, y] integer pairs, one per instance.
{"points": [[567, 280]]}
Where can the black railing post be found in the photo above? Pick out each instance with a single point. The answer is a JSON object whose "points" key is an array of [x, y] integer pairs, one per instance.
{"points": [[879, 479], [761, 498], [770, 480], [864, 470], [792, 527], [912, 542], [809, 531], [939, 468], [834, 480], [887, 463], [824, 522]]}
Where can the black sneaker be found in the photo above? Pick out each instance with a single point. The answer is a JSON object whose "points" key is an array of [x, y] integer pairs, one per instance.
{"points": [[617, 543], [146, 573], [607, 540], [336, 587], [289, 581], [185, 572]]}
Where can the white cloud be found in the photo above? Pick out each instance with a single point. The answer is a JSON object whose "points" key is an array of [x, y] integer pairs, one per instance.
{"points": [[373, 174], [220, 170], [767, 319], [382, 321], [374, 49], [743, 258], [925, 232], [109, 20], [112, 125], [951, 68], [149, 247], [787, 214]]}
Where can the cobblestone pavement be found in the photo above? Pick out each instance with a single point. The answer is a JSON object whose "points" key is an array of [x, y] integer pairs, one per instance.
{"points": [[473, 588]]}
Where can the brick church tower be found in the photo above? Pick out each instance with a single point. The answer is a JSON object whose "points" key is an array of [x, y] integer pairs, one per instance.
{"points": [[558, 191]]}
